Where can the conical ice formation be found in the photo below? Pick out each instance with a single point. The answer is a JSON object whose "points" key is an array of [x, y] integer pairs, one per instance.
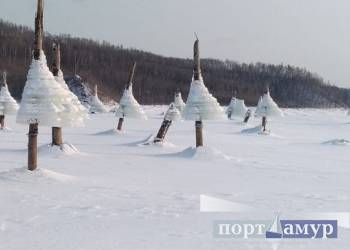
{"points": [[236, 107], [128, 106], [96, 106], [201, 105], [45, 101], [178, 102], [172, 114], [8, 105], [267, 107]]}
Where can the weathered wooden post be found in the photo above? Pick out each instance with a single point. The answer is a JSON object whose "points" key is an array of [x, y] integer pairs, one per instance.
{"points": [[57, 139], [33, 127], [127, 87], [264, 116], [197, 75], [200, 104], [172, 114], [247, 116]]}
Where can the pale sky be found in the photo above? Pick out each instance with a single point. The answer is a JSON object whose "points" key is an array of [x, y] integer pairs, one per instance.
{"points": [[308, 33]]}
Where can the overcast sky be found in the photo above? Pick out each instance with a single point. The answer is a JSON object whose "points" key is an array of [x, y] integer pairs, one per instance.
{"points": [[308, 33]]}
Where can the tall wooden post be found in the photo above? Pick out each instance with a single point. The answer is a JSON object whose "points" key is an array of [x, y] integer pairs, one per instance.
{"points": [[197, 75], [199, 133], [33, 127], [57, 139], [196, 61], [33, 147], [39, 21]]}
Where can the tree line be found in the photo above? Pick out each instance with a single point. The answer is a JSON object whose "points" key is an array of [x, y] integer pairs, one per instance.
{"points": [[157, 77]]}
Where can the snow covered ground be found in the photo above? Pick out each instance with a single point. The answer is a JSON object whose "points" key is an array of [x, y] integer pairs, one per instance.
{"points": [[108, 191]]}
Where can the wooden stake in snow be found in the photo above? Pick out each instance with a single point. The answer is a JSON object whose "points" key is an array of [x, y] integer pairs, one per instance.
{"points": [[128, 86], [39, 20], [33, 147], [33, 127], [197, 75], [2, 117], [247, 116], [171, 115], [200, 104], [264, 118], [57, 139]]}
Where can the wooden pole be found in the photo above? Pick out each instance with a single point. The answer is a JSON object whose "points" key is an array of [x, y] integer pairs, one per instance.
{"points": [[197, 76], [247, 115], [196, 61], [33, 127], [38, 40], [131, 76], [56, 63], [120, 124], [57, 139], [3, 84], [2, 122], [162, 131], [33, 146], [199, 134], [263, 123]]}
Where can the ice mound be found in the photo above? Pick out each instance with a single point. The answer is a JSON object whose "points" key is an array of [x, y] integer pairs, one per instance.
{"points": [[8, 105], [237, 108], [179, 103], [57, 151], [202, 153], [24, 175], [254, 130], [337, 142], [129, 107], [201, 104], [96, 105], [267, 107], [46, 102]]}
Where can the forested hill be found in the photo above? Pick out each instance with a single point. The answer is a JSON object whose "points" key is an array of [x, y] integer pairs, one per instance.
{"points": [[157, 77]]}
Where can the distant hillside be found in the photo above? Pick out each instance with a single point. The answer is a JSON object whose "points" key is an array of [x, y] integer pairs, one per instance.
{"points": [[157, 77]]}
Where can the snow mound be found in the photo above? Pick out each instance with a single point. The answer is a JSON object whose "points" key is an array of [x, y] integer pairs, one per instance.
{"points": [[202, 153], [110, 132], [129, 107], [267, 107], [253, 130], [56, 151], [45, 101], [337, 142], [149, 141], [6, 130], [201, 105], [96, 105], [24, 175], [237, 108], [8, 105]]}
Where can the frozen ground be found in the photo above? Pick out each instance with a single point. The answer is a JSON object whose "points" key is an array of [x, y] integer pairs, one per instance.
{"points": [[110, 192]]}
